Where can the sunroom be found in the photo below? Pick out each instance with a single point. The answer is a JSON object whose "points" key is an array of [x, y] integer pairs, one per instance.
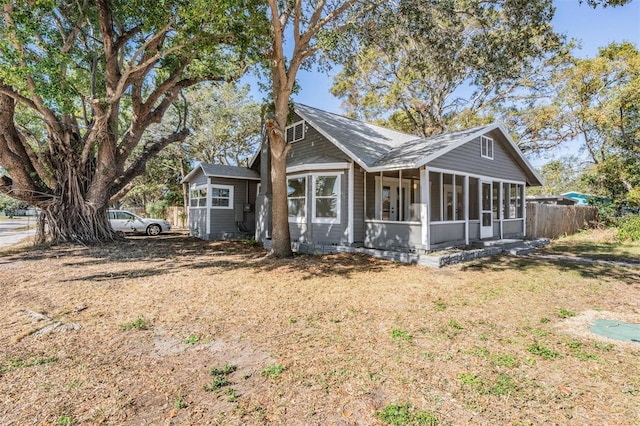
{"points": [[427, 209]]}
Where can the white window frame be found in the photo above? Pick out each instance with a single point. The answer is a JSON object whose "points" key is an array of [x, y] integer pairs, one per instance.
{"points": [[299, 219], [336, 219], [294, 127], [198, 187], [486, 147], [211, 197]]}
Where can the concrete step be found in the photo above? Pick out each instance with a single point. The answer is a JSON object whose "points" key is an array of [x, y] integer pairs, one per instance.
{"points": [[522, 250]]}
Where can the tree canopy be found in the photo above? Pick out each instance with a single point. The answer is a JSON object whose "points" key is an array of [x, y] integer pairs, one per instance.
{"points": [[436, 65], [80, 82], [594, 105]]}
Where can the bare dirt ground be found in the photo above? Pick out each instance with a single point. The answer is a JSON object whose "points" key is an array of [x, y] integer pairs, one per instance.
{"points": [[128, 334]]}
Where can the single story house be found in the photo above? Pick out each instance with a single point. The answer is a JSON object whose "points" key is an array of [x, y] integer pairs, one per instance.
{"points": [[356, 184], [221, 201]]}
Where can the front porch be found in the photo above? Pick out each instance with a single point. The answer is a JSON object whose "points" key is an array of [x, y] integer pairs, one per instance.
{"points": [[426, 209]]}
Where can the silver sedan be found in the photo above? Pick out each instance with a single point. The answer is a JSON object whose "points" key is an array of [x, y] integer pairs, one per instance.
{"points": [[124, 221]]}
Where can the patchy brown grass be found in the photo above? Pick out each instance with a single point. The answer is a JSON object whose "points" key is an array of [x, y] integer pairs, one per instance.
{"points": [[489, 342]]}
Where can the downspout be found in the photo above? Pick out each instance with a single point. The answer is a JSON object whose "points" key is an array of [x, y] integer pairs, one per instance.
{"points": [[351, 204], [466, 209], [424, 210]]}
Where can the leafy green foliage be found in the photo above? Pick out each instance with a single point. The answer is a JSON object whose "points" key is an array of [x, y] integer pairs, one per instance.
{"points": [[220, 377], [400, 334], [139, 324], [565, 313], [503, 384], [192, 340], [560, 176], [272, 371], [411, 61], [593, 103], [406, 414], [629, 228], [83, 84], [542, 351]]}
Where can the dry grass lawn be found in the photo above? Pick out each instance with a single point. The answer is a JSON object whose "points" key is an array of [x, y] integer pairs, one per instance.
{"points": [[178, 331]]}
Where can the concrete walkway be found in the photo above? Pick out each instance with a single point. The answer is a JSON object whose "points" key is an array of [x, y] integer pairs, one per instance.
{"points": [[584, 260], [13, 231]]}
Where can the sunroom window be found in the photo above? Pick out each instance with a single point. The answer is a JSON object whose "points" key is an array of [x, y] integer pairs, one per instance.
{"points": [[297, 198], [447, 197], [198, 196], [326, 198], [221, 197]]}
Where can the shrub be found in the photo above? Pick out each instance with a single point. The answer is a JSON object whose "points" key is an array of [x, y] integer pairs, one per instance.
{"points": [[155, 210], [629, 228]]}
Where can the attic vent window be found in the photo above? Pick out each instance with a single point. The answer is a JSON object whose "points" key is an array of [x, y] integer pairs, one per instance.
{"points": [[486, 147], [295, 132]]}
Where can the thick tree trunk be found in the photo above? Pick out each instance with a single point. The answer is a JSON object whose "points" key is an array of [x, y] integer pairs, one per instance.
{"points": [[280, 237], [77, 223]]}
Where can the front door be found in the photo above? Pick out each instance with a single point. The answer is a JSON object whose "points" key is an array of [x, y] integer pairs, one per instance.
{"points": [[388, 208], [486, 214]]}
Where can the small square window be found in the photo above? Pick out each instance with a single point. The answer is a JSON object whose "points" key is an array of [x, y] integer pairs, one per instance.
{"points": [[221, 197], [295, 132], [486, 147]]}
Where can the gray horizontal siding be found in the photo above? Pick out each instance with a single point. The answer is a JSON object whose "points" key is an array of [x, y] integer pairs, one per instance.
{"points": [[314, 144], [393, 236], [467, 159], [198, 178], [223, 221], [198, 222], [513, 229], [449, 233], [323, 233], [474, 231]]}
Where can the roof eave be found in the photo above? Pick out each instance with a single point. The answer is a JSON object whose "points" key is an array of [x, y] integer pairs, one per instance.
{"points": [[341, 147], [192, 172]]}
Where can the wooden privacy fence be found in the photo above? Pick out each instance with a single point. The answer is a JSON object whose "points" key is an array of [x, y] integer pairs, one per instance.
{"points": [[175, 216], [552, 221]]}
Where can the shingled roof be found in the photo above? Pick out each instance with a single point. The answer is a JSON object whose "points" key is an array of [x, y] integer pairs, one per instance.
{"points": [[376, 148], [224, 171]]}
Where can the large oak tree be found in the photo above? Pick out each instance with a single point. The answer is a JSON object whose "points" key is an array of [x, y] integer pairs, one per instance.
{"points": [[80, 82], [300, 29]]}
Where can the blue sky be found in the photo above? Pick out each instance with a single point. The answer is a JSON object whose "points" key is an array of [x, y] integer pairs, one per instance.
{"points": [[593, 28]]}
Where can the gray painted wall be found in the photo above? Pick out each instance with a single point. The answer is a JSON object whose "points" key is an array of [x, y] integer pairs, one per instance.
{"points": [[198, 222], [467, 159], [474, 230], [446, 233], [223, 221], [358, 207], [313, 144], [513, 228], [393, 236]]}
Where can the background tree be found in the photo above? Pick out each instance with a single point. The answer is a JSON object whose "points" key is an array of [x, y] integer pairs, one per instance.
{"points": [[224, 122], [307, 27], [435, 65], [80, 82], [593, 105], [224, 128], [561, 175]]}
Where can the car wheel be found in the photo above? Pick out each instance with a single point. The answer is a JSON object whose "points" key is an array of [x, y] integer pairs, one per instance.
{"points": [[154, 230]]}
